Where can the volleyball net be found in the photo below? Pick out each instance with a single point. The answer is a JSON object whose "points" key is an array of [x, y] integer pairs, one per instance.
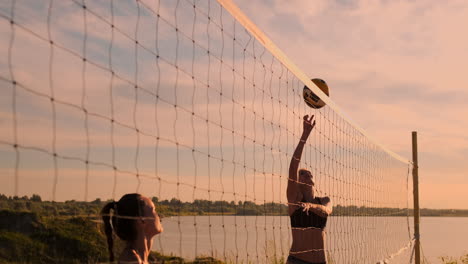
{"points": [[190, 103]]}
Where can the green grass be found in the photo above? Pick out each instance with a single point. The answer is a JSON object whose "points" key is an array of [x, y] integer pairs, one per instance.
{"points": [[27, 237], [453, 260]]}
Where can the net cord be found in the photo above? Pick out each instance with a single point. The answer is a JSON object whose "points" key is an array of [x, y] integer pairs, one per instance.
{"points": [[329, 167], [273, 49]]}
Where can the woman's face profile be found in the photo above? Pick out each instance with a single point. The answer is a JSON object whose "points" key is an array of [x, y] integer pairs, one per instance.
{"points": [[307, 188], [152, 224]]}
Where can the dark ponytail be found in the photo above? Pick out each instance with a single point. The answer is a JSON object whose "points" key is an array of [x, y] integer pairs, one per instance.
{"points": [[105, 213], [130, 205]]}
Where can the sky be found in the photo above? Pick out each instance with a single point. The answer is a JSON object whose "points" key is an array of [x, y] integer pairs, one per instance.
{"points": [[392, 66]]}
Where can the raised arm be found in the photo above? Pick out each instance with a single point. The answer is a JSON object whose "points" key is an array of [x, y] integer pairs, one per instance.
{"points": [[293, 186]]}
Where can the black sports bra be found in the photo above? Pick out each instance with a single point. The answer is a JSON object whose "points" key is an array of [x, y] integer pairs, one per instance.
{"points": [[301, 219]]}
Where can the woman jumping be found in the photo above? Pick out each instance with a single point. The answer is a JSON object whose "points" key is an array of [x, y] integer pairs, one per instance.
{"points": [[308, 212]]}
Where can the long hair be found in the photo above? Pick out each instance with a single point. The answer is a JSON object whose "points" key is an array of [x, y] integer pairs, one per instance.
{"points": [[130, 205]]}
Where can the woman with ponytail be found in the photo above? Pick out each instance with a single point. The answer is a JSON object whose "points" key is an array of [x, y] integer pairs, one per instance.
{"points": [[134, 219]]}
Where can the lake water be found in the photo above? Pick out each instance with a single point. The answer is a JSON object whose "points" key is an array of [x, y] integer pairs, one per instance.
{"points": [[444, 236], [260, 239]]}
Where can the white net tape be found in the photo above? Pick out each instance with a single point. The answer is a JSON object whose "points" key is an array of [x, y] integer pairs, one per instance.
{"points": [[186, 100]]}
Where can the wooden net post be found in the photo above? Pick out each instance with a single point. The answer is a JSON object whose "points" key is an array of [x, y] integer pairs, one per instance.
{"points": [[416, 198]]}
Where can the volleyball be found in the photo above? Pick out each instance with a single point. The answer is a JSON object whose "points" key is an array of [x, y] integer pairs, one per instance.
{"points": [[200, 121], [310, 98]]}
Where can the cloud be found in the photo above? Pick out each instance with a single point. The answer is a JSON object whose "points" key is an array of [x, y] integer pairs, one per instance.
{"points": [[394, 66], [366, 72]]}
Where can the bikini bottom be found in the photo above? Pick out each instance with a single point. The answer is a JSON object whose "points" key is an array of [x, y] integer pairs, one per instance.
{"points": [[294, 260]]}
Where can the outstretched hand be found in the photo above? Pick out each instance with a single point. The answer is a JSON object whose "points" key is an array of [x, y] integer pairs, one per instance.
{"points": [[308, 124]]}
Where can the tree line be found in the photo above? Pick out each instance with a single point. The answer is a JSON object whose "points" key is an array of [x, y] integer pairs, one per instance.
{"points": [[175, 207]]}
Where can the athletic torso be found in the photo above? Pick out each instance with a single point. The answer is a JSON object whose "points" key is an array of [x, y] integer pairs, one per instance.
{"points": [[308, 235], [308, 219]]}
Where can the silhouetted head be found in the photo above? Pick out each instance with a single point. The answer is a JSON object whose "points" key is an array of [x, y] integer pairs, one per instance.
{"points": [[306, 185], [133, 216]]}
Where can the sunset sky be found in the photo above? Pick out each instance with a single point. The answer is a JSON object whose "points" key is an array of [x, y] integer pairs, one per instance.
{"points": [[394, 67]]}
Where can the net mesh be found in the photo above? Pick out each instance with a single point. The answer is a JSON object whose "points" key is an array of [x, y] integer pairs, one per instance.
{"points": [[178, 100]]}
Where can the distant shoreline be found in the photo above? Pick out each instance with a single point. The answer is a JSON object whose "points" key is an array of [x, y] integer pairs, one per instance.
{"points": [[175, 207], [455, 216]]}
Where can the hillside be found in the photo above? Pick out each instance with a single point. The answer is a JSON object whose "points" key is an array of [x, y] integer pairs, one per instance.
{"points": [[27, 237]]}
